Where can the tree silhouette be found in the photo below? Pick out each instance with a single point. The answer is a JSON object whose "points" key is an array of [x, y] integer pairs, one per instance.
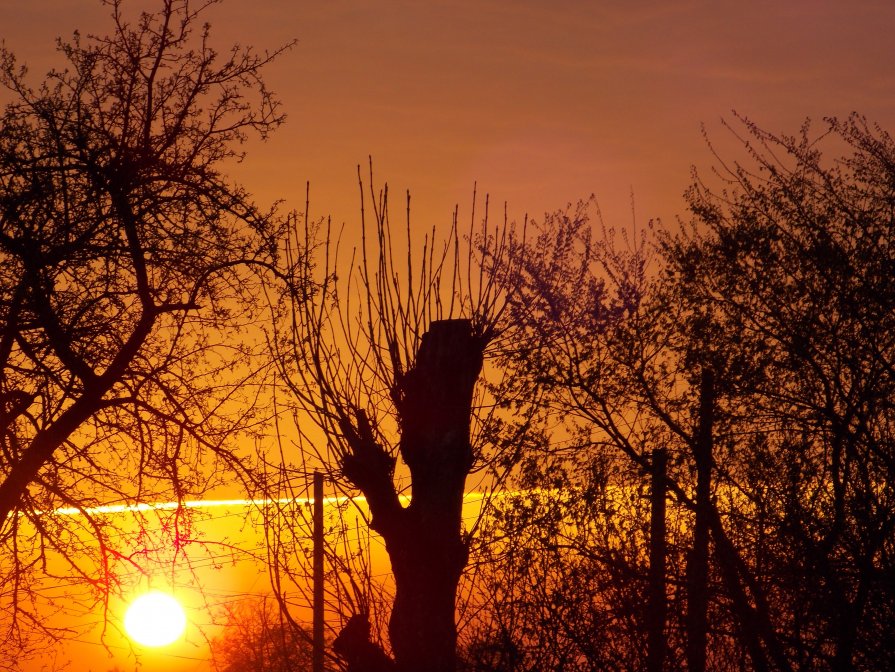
{"points": [[789, 271], [780, 293], [256, 638], [122, 284], [386, 363]]}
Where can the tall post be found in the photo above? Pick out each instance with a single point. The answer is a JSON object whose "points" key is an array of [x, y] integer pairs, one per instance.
{"points": [[657, 603], [318, 573], [698, 565]]}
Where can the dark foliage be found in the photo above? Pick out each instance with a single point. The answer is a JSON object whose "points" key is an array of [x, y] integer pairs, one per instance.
{"points": [[781, 292]]}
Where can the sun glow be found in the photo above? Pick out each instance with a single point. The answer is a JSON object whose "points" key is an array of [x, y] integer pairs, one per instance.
{"points": [[155, 619]]}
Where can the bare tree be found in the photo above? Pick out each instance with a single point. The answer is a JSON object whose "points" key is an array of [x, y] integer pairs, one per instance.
{"points": [[256, 638], [385, 362], [124, 295], [604, 331], [758, 353], [788, 267]]}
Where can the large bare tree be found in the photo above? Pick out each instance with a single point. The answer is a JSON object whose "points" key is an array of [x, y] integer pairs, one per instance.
{"points": [[123, 285], [384, 359]]}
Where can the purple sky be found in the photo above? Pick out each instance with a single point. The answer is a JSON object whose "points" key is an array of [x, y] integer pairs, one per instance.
{"points": [[540, 102]]}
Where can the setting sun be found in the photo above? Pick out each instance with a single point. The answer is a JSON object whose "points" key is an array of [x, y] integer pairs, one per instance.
{"points": [[155, 619]]}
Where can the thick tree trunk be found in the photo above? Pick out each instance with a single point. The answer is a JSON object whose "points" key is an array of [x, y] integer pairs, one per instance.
{"points": [[427, 569], [429, 553], [424, 539]]}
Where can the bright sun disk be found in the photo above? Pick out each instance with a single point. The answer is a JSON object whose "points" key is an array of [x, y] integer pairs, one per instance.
{"points": [[154, 619]]}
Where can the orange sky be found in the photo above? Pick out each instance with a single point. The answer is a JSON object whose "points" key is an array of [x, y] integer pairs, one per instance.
{"points": [[540, 102], [222, 567]]}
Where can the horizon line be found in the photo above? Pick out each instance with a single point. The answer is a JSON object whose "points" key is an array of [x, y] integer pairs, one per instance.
{"points": [[262, 502]]}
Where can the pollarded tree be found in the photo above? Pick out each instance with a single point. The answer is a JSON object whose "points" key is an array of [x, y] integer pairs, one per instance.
{"points": [[123, 287], [386, 363]]}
